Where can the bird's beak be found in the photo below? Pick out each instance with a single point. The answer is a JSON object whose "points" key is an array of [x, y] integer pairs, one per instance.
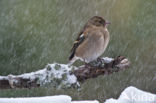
{"points": [[107, 22]]}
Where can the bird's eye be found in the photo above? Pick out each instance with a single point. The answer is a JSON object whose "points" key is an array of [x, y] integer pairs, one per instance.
{"points": [[100, 22]]}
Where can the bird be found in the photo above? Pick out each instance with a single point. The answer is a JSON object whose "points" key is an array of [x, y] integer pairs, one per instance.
{"points": [[91, 42]]}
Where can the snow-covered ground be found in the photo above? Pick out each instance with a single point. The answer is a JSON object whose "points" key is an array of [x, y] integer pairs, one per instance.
{"points": [[94, 101], [47, 99], [134, 95], [129, 95]]}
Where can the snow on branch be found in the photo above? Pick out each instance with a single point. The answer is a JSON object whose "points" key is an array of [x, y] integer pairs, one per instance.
{"points": [[64, 76]]}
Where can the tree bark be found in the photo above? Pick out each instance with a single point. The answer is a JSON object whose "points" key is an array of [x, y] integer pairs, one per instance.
{"points": [[115, 65]]}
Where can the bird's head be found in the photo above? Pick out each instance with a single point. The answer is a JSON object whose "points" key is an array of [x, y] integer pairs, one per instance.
{"points": [[98, 21]]}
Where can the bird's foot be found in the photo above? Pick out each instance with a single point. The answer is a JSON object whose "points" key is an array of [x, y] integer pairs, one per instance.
{"points": [[99, 60]]}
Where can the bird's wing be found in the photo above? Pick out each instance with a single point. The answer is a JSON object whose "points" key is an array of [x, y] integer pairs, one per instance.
{"points": [[81, 37]]}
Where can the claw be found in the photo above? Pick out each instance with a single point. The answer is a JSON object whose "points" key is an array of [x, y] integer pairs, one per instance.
{"points": [[99, 60]]}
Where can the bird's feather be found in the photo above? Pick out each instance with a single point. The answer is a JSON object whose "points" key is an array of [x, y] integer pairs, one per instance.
{"points": [[78, 41]]}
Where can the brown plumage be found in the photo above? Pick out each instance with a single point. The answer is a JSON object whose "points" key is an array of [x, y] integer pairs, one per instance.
{"points": [[91, 41]]}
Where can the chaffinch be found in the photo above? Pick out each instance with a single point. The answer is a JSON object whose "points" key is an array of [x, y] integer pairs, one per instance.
{"points": [[91, 41]]}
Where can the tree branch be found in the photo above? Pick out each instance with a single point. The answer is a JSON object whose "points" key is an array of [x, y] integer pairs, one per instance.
{"points": [[109, 67], [64, 76]]}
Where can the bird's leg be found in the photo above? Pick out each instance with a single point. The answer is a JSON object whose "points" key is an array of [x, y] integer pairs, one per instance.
{"points": [[87, 65]]}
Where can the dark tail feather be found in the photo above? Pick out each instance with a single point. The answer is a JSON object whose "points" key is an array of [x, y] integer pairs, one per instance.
{"points": [[72, 55], [79, 41]]}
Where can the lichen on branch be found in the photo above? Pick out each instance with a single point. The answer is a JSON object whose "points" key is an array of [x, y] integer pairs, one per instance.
{"points": [[64, 76]]}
